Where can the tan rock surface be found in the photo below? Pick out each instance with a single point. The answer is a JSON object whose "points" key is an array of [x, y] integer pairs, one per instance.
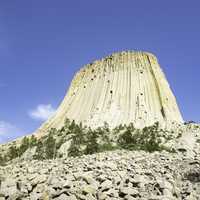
{"points": [[119, 89]]}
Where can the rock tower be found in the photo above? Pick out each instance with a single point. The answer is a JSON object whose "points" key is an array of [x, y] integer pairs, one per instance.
{"points": [[122, 88]]}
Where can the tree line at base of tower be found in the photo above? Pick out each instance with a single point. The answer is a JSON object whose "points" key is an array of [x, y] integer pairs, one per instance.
{"points": [[83, 140]]}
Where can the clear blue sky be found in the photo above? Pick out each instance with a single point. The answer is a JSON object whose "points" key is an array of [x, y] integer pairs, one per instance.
{"points": [[44, 42]]}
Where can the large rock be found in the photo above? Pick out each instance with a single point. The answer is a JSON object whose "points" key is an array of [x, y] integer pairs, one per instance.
{"points": [[139, 175], [9, 189], [119, 89], [186, 143]]}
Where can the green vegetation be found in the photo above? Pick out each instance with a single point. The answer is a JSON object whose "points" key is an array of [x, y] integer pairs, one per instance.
{"points": [[32, 141], [87, 141], [74, 149], [15, 151], [2, 160], [12, 152], [39, 155], [92, 145], [94, 141], [50, 146], [148, 139]]}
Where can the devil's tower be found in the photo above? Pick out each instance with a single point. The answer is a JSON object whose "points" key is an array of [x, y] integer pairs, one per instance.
{"points": [[119, 89]]}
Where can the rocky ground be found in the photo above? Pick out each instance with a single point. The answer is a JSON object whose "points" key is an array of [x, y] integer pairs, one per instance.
{"points": [[111, 175], [119, 174]]}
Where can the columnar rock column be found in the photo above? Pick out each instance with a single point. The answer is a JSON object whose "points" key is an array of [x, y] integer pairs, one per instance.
{"points": [[119, 89]]}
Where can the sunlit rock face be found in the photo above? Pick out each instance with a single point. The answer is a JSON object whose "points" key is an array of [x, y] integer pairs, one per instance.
{"points": [[119, 89]]}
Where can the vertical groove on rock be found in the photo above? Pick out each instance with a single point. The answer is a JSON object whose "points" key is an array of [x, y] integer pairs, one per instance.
{"points": [[157, 86]]}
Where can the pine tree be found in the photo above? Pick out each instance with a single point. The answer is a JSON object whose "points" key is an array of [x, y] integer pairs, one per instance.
{"points": [[32, 141], [50, 147], [2, 160], [74, 149], [72, 126], [92, 144], [39, 151], [13, 152]]}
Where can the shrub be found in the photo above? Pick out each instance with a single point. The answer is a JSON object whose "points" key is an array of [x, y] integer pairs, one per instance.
{"points": [[107, 147]]}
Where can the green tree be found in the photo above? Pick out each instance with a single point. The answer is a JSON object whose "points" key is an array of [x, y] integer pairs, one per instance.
{"points": [[77, 139], [148, 139], [91, 142], [75, 148], [40, 154], [50, 145], [127, 140], [2, 160], [13, 152], [32, 141], [72, 126]]}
